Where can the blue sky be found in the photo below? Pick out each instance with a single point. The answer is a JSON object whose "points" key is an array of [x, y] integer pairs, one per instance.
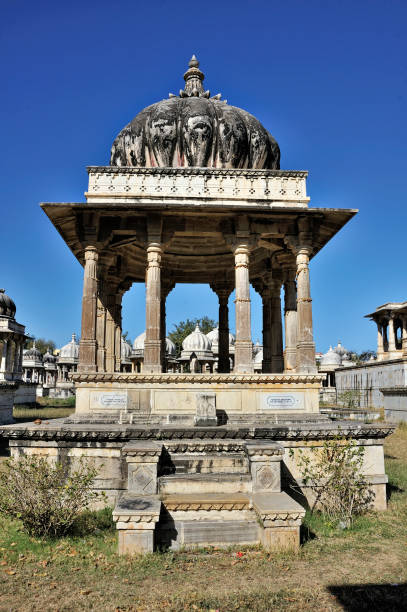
{"points": [[327, 78]]}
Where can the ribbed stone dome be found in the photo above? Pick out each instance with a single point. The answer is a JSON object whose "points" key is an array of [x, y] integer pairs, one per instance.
{"points": [[32, 354], [194, 129], [197, 341], [138, 345], [49, 357], [7, 306], [213, 336]]}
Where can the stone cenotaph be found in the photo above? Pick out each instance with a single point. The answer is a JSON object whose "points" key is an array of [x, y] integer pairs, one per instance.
{"points": [[194, 194]]}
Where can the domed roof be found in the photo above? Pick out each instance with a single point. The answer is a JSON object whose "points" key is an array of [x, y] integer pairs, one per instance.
{"points": [[70, 350], [257, 348], [331, 358], [32, 354], [213, 336], [197, 341], [49, 357], [125, 349], [259, 356], [7, 306], [194, 129], [341, 350], [138, 344]]}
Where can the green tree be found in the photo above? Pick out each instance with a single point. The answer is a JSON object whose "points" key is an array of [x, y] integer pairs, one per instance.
{"points": [[182, 329], [41, 344], [359, 358]]}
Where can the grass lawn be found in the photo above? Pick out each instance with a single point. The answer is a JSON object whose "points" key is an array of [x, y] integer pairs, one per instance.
{"points": [[364, 568], [44, 408]]}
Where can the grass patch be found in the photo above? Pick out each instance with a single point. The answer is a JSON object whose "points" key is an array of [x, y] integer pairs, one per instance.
{"points": [[361, 568], [23, 413]]}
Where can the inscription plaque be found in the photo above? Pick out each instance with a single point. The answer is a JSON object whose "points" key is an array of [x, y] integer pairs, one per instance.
{"points": [[109, 399], [282, 401]]}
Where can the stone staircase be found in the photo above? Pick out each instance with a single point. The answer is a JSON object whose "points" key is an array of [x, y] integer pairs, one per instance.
{"points": [[205, 492]]}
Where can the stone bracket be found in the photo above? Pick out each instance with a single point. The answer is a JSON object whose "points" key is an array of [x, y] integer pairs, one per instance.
{"points": [[136, 517]]}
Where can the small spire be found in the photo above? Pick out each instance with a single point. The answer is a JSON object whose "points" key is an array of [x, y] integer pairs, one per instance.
{"points": [[193, 62], [193, 83]]}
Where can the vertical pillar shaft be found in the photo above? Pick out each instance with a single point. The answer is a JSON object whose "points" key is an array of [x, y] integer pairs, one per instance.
{"points": [[223, 292], [152, 345], [101, 332], [277, 361], [290, 321], [305, 338], [392, 336], [267, 342], [118, 332], [404, 336], [3, 359], [110, 330], [243, 344], [88, 344], [380, 344]]}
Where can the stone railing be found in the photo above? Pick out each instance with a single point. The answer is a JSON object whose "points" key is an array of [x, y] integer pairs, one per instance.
{"points": [[110, 184]]}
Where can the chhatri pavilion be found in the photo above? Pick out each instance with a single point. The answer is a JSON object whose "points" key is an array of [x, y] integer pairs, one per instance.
{"points": [[194, 193]]}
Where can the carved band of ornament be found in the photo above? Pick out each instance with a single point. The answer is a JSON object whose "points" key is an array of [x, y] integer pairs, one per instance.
{"points": [[282, 516], [168, 378], [141, 453], [206, 447], [207, 506], [135, 518], [299, 300], [259, 452], [197, 171]]}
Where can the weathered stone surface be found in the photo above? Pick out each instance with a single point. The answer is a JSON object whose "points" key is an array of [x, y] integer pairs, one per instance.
{"points": [[206, 533], [206, 409]]}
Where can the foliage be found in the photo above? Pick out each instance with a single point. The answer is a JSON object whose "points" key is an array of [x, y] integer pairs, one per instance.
{"points": [[334, 475], [359, 358], [184, 328], [125, 336], [44, 496], [350, 399], [41, 344]]}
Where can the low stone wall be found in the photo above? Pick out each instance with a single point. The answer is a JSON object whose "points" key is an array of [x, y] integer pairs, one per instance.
{"points": [[395, 403], [26, 393], [7, 391]]}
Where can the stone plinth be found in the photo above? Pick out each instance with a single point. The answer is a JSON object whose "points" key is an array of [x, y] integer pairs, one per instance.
{"points": [[136, 517], [160, 395]]}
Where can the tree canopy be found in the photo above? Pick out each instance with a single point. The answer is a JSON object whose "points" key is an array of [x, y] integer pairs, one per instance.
{"points": [[182, 329]]}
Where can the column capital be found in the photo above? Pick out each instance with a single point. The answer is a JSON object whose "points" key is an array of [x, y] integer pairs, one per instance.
{"points": [[222, 290], [91, 253]]}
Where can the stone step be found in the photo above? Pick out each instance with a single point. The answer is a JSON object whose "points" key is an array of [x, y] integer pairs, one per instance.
{"points": [[177, 534], [193, 502], [204, 484], [220, 463]]}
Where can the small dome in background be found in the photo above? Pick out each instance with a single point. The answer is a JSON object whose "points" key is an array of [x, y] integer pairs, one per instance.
{"points": [[7, 306], [138, 344], [70, 350], [32, 354], [341, 350], [197, 341], [331, 358], [125, 349], [259, 356], [213, 336], [170, 347], [49, 357]]}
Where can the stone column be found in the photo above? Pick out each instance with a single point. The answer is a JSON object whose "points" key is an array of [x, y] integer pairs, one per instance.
{"points": [[404, 335], [305, 338], [223, 292], [118, 332], [277, 361], [88, 344], [267, 341], [290, 320], [392, 335], [110, 330], [166, 288], [380, 345], [3, 359], [101, 332], [243, 344], [152, 345]]}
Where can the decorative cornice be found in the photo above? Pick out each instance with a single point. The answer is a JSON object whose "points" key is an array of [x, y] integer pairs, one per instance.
{"points": [[206, 505], [196, 171], [92, 377], [123, 433]]}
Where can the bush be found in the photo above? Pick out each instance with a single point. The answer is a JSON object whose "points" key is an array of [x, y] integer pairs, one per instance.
{"points": [[334, 474], [44, 496]]}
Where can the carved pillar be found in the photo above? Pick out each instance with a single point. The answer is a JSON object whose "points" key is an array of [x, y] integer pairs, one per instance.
{"points": [[166, 288], [392, 336], [101, 329], [118, 332], [3, 358], [404, 335], [290, 320], [223, 292], [380, 344], [243, 344], [88, 344], [277, 361], [110, 329], [265, 293], [152, 345]]}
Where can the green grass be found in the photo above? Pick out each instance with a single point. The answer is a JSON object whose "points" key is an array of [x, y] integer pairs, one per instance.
{"points": [[24, 413]]}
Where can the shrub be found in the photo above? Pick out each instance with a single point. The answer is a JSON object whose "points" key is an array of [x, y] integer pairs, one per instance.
{"points": [[334, 475], [45, 496]]}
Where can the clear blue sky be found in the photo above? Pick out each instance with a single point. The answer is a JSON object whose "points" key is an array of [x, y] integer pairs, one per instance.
{"points": [[327, 78]]}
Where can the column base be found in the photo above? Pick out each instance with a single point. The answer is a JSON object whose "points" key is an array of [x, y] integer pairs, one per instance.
{"points": [[290, 357], [138, 542], [306, 358], [243, 357]]}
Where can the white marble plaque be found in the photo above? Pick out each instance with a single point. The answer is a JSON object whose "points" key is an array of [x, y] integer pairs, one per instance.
{"points": [[282, 400], [109, 400]]}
